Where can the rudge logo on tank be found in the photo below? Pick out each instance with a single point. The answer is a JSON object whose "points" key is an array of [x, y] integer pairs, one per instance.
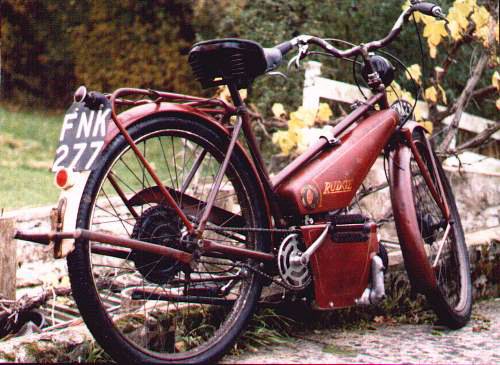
{"points": [[337, 186]]}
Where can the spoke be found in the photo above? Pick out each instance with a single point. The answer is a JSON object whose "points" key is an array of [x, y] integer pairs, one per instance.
{"points": [[441, 245], [134, 174], [185, 301], [119, 219], [121, 194], [167, 162], [175, 163], [193, 171]]}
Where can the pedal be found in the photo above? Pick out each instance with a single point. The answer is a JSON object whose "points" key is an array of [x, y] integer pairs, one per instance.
{"points": [[348, 219], [344, 237], [350, 228]]}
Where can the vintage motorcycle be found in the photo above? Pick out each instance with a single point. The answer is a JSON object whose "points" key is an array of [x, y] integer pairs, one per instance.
{"points": [[172, 226]]}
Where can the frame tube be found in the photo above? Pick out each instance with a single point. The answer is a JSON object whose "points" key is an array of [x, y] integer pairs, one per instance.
{"points": [[323, 142], [146, 164], [218, 179]]}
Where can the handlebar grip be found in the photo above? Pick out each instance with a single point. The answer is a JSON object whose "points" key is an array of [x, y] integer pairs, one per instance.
{"points": [[428, 9], [273, 58], [285, 47]]}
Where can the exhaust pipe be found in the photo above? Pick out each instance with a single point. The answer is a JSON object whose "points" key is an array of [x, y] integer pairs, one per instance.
{"points": [[376, 291]]}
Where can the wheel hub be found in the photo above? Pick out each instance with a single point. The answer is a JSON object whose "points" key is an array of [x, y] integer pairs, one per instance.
{"points": [[429, 228], [159, 225]]}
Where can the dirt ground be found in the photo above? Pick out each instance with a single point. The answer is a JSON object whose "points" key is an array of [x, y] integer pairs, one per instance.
{"points": [[476, 343]]}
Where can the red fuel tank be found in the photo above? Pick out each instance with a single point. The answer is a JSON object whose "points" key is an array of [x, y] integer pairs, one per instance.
{"points": [[330, 180]]}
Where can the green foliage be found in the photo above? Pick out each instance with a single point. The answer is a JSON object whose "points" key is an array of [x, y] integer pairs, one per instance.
{"points": [[104, 45], [266, 328], [144, 44], [36, 61], [271, 22], [135, 44]]}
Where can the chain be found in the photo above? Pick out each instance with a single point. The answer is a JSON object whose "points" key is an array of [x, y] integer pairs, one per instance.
{"points": [[259, 272], [247, 266], [269, 277]]}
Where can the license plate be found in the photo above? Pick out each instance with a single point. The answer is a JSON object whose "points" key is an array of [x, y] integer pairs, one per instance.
{"points": [[81, 138]]}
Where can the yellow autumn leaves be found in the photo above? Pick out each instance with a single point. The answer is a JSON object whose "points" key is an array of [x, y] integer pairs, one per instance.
{"points": [[434, 31], [495, 81], [460, 15], [301, 131]]}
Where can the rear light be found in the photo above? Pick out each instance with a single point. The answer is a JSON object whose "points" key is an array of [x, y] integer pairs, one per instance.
{"points": [[63, 179]]}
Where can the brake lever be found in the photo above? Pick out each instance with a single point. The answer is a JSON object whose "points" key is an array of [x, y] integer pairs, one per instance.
{"points": [[277, 73], [293, 60], [438, 14], [303, 49]]}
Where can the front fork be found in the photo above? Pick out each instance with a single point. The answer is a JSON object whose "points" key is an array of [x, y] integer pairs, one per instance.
{"points": [[420, 272], [436, 185]]}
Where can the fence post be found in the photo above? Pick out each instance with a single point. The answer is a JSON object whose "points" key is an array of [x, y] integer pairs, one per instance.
{"points": [[310, 98], [8, 259]]}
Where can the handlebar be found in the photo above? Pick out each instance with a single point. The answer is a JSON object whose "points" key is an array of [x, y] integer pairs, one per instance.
{"points": [[423, 7]]}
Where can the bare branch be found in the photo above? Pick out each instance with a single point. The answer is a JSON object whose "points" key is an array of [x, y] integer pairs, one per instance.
{"points": [[484, 92], [10, 314], [370, 190], [479, 139], [463, 100], [466, 38]]}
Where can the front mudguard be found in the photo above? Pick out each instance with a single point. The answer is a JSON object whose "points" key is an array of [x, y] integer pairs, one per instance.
{"points": [[419, 270]]}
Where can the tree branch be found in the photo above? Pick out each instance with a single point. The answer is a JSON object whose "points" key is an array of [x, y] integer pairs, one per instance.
{"points": [[370, 190], [463, 100], [479, 139], [466, 38], [484, 92], [9, 315]]}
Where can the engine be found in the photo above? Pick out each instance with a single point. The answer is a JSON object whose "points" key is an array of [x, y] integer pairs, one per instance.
{"points": [[343, 257]]}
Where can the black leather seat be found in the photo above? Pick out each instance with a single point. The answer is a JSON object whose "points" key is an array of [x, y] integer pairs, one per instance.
{"points": [[231, 60]]}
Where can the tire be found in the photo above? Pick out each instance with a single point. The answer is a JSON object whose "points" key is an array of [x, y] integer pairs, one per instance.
{"points": [[451, 296], [147, 328]]}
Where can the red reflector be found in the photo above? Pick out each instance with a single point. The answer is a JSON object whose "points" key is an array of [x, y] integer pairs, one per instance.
{"points": [[62, 178]]}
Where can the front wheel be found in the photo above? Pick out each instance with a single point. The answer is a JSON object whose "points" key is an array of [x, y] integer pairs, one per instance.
{"points": [[146, 308], [434, 248]]}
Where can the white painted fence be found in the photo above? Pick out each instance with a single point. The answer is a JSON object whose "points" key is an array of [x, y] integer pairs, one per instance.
{"points": [[317, 87]]}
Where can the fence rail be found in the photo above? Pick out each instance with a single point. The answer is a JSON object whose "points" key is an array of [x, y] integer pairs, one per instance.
{"points": [[317, 87]]}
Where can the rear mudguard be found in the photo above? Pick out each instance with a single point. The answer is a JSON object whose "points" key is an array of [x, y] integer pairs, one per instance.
{"points": [[419, 270], [136, 114]]}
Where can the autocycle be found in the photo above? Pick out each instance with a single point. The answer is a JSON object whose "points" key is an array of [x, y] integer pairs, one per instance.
{"points": [[171, 227]]}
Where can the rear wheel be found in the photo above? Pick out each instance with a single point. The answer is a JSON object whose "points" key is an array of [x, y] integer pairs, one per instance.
{"points": [[446, 252], [142, 307]]}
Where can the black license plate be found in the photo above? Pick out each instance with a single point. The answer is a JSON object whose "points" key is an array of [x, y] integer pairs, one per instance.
{"points": [[81, 138]]}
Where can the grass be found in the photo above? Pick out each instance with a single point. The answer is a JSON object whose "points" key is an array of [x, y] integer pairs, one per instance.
{"points": [[28, 140], [266, 328]]}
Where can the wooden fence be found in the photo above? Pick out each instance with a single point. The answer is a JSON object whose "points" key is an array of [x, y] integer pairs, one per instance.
{"points": [[317, 87]]}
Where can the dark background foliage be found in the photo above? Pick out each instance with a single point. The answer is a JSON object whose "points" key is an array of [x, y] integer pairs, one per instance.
{"points": [[49, 47]]}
